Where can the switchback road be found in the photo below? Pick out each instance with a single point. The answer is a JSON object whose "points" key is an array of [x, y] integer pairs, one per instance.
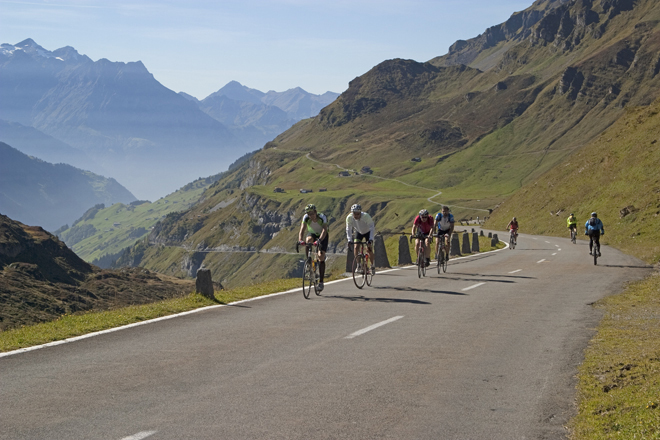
{"points": [[488, 350]]}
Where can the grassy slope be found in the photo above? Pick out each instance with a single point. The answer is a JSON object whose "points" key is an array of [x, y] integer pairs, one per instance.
{"points": [[618, 170], [136, 222]]}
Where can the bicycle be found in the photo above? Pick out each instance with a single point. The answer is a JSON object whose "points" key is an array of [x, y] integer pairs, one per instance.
{"points": [[574, 235], [595, 250], [361, 266], [513, 240], [310, 275], [441, 253], [421, 254]]}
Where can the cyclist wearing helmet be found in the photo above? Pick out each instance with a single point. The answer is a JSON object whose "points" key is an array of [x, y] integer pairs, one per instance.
{"points": [[424, 223], [444, 222], [571, 223], [315, 227], [594, 229], [513, 227], [364, 228]]}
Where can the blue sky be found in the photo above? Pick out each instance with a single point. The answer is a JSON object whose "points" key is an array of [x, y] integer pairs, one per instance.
{"points": [[197, 46]]}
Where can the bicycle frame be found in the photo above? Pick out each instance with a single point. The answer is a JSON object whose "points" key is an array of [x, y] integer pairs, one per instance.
{"points": [[309, 276], [361, 265]]}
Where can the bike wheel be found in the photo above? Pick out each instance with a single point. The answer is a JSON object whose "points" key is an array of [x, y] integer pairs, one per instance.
{"points": [[308, 280], [423, 263], [317, 278], [512, 243], [439, 256], [358, 266], [370, 276], [596, 249], [573, 236], [446, 261]]}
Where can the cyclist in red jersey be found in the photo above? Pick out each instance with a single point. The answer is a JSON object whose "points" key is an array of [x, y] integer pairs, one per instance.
{"points": [[424, 223], [513, 227]]}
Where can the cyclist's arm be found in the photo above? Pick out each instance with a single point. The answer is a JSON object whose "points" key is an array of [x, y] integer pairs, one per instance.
{"points": [[302, 230], [372, 230], [349, 228], [324, 232]]}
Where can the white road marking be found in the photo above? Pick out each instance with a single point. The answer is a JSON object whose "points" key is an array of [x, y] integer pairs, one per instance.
{"points": [[558, 249], [548, 242], [541, 261], [473, 286], [140, 435], [556, 245], [515, 271], [554, 254], [371, 327]]}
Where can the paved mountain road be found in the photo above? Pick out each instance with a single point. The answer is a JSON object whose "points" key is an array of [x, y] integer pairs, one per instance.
{"points": [[488, 350]]}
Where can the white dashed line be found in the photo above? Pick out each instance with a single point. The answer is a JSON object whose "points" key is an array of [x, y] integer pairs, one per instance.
{"points": [[140, 435], [515, 271], [548, 242], [371, 327], [554, 254], [541, 261], [556, 245], [473, 286]]}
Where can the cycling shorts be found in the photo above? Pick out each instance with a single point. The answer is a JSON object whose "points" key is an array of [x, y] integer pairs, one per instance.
{"points": [[360, 237], [441, 233], [572, 226], [323, 245]]}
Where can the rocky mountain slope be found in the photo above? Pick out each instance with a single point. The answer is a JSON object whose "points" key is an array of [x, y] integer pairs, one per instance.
{"points": [[467, 129], [51, 195], [41, 279]]}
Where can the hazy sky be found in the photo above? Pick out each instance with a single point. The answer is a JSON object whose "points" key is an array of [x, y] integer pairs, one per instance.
{"points": [[197, 46]]}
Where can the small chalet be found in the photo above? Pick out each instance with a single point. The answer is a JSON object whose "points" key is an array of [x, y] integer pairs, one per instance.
{"points": [[323, 189], [305, 191], [278, 190], [416, 159], [344, 174]]}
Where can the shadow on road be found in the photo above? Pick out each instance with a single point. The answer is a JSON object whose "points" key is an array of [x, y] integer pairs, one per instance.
{"points": [[481, 278], [384, 300], [491, 275], [413, 289], [627, 267]]}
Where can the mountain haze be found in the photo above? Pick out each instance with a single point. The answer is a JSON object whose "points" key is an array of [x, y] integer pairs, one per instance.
{"points": [[141, 133], [51, 195]]}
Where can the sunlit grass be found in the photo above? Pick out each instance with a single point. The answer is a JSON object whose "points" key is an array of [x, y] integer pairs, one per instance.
{"points": [[619, 381]]}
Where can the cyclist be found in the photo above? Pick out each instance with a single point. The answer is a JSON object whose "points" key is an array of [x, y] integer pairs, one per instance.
{"points": [[594, 229], [315, 226], [364, 228], [513, 227], [424, 223], [571, 223], [444, 222]]}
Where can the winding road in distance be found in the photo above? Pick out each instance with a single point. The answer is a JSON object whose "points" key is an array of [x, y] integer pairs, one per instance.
{"points": [[488, 350]]}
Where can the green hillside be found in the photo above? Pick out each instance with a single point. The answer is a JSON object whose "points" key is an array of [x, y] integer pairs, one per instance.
{"points": [[616, 175], [529, 96], [101, 234]]}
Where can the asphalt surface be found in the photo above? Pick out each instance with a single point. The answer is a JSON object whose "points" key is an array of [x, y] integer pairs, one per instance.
{"points": [[488, 350]]}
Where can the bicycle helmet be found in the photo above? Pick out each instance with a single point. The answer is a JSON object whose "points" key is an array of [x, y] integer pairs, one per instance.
{"points": [[310, 207], [356, 208], [514, 219], [593, 214], [423, 212]]}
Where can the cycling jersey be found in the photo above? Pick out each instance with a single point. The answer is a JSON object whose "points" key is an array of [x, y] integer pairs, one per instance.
{"points": [[571, 221], [444, 223], [425, 226], [513, 225], [596, 225], [315, 227], [363, 225]]}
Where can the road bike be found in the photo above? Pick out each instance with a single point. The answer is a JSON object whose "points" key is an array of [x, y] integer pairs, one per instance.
{"points": [[421, 254], [310, 275], [595, 250], [442, 253], [362, 272], [513, 239], [574, 235]]}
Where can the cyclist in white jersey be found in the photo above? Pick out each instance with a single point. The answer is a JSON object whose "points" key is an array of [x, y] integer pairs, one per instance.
{"points": [[364, 227], [315, 227]]}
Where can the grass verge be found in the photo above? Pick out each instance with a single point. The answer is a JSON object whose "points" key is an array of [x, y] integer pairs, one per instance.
{"points": [[619, 381]]}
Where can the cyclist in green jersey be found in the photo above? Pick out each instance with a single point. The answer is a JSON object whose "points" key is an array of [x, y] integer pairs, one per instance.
{"points": [[314, 227], [571, 223]]}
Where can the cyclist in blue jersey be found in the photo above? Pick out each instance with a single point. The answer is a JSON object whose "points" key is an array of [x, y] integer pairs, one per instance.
{"points": [[594, 229], [315, 227], [444, 222]]}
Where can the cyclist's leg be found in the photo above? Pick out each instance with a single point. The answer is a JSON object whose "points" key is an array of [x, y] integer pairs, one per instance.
{"points": [[427, 251], [323, 247], [591, 242], [417, 245]]}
